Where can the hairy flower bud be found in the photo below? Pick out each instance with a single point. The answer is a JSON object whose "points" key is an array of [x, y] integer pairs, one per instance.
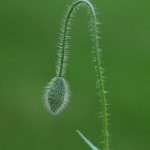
{"points": [[56, 95]]}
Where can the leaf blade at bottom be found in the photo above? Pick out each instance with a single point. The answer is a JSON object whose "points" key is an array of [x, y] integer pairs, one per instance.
{"points": [[93, 147]]}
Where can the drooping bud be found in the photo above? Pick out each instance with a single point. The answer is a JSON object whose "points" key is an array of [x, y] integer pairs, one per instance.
{"points": [[56, 95]]}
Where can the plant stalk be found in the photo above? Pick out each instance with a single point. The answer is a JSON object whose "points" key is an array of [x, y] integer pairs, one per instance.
{"points": [[63, 52]]}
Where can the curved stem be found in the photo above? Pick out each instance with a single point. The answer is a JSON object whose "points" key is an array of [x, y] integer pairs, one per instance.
{"points": [[63, 52]]}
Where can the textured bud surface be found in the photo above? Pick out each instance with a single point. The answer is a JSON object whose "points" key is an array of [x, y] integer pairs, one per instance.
{"points": [[56, 95]]}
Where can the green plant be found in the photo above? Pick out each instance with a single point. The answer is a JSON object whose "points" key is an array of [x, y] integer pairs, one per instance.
{"points": [[57, 92]]}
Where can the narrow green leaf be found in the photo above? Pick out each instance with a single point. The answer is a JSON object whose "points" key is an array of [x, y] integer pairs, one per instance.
{"points": [[87, 141]]}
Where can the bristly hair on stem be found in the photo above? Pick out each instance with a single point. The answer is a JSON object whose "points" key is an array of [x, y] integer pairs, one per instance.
{"points": [[53, 95]]}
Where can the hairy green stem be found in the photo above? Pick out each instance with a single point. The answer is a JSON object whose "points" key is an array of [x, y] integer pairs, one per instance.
{"points": [[63, 51]]}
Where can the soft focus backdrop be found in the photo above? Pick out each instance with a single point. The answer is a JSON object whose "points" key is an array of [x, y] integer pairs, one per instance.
{"points": [[28, 38]]}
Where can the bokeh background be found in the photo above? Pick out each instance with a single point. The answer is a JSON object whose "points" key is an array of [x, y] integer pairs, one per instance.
{"points": [[28, 38]]}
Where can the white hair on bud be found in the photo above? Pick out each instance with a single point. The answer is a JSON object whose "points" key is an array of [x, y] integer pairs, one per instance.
{"points": [[56, 95]]}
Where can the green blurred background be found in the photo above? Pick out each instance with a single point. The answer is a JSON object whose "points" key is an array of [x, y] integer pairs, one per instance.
{"points": [[28, 38]]}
